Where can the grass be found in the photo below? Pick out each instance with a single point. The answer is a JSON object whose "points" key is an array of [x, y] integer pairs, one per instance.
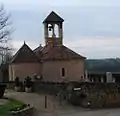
{"points": [[10, 105]]}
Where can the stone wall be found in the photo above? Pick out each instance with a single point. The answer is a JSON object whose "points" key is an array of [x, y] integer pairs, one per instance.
{"points": [[41, 87], [10, 85], [98, 95], [49, 87], [29, 111]]}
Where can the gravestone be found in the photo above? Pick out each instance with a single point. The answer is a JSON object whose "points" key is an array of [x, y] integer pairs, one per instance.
{"points": [[102, 80], [109, 77]]}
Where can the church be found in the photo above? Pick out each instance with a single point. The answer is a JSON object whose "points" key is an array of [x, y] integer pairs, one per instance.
{"points": [[54, 62]]}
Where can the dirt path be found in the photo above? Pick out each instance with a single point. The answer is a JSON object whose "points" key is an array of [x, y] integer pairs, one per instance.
{"points": [[35, 100]]}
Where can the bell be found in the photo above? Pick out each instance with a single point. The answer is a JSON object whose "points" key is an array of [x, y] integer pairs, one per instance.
{"points": [[50, 29]]}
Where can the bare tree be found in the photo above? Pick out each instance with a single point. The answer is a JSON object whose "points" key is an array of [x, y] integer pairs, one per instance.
{"points": [[5, 43], [5, 32]]}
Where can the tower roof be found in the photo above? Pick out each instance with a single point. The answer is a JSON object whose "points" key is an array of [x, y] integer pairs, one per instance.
{"points": [[24, 54], [53, 17]]}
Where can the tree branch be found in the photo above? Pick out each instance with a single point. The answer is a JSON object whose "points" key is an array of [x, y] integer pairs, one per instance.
{"points": [[5, 32]]}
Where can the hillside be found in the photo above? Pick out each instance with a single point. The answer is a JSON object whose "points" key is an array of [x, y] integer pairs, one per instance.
{"points": [[103, 65]]}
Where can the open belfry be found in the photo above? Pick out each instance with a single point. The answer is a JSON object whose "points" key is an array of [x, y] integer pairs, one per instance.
{"points": [[54, 62]]}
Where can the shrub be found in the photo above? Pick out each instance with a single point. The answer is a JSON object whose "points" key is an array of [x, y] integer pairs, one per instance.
{"points": [[28, 82], [17, 82], [2, 89]]}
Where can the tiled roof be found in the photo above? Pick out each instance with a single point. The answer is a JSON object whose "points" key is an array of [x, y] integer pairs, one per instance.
{"points": [[24, 55], [53, 17], [38, 51], [58, 53]]}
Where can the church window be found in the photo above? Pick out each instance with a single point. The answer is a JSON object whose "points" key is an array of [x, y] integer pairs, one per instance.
{"points": [[63, 72]]}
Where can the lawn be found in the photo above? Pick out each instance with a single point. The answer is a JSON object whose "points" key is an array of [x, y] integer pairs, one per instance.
{"points": [[10, 105]]}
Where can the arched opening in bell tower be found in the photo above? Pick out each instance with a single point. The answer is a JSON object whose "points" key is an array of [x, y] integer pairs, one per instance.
{"points": [[53, 30], [56, 29]]}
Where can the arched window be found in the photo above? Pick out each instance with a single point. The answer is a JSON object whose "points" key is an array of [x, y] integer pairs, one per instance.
{"points": [[56, 30], [63, 72], [50, 30]]}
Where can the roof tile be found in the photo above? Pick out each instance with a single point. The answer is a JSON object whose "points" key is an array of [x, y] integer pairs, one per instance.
{"points": [[53, 17], [58, 53], [24, 54]]}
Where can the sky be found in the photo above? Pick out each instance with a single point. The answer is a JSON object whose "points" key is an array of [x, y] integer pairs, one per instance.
{"points": [[91, 27]]}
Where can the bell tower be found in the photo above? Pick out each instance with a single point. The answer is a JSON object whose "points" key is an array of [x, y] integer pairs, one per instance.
{"points": [[53, 30]]}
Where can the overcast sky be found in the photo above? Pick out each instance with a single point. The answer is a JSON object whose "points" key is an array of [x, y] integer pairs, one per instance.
{"points": [[91, 27]]}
